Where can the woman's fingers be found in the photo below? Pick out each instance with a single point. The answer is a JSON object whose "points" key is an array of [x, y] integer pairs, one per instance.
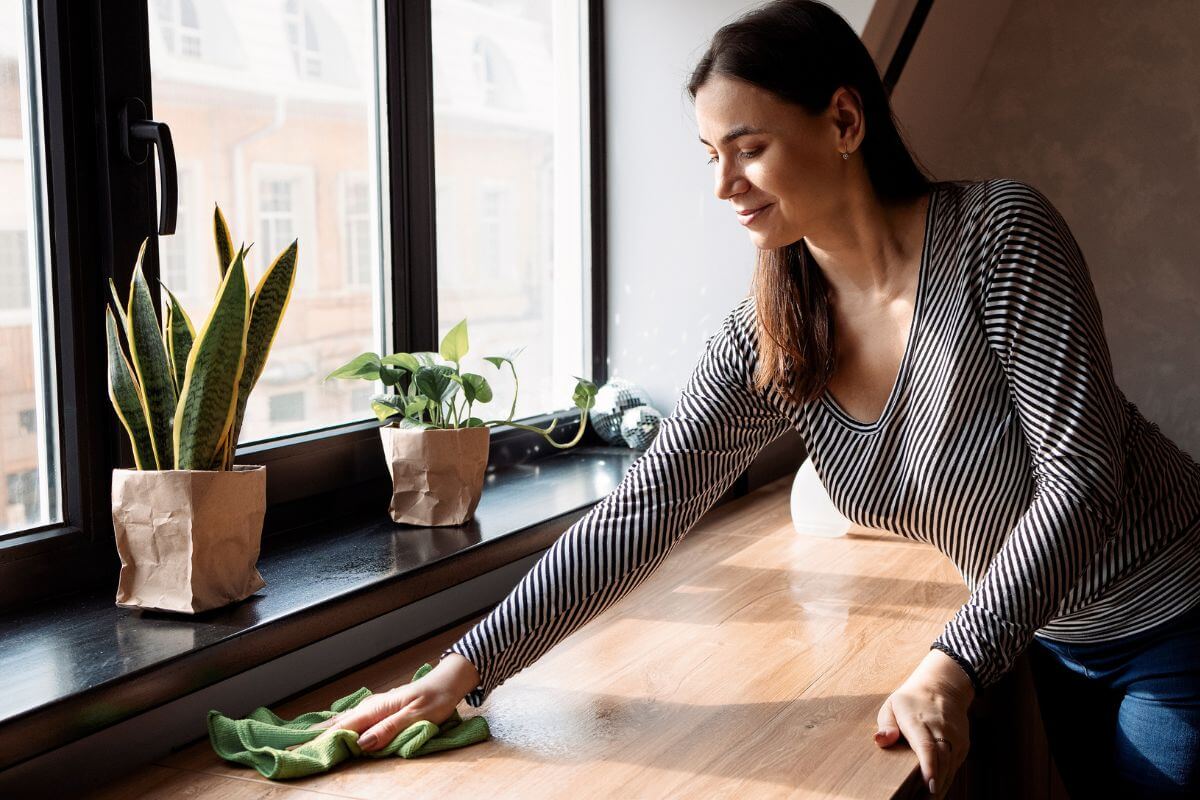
{"points": [[920, 739], [889, 731]]}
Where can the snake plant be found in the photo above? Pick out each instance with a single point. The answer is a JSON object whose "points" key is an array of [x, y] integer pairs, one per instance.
{"points": [[181, 395]]}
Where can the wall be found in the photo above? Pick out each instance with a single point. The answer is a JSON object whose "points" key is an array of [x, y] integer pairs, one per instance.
{"points": [[1096, 107], [678, 260]]}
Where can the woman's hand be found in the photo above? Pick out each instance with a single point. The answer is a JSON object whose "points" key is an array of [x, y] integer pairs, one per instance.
{"points": [[433, 697], [932, 704]]}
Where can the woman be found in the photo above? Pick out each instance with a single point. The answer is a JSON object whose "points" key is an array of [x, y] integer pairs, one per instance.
{"points": [[939, 346]]}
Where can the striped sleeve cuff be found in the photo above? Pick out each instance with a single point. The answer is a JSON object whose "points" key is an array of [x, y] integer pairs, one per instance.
{"points": [[962, 662], [476, 696]]}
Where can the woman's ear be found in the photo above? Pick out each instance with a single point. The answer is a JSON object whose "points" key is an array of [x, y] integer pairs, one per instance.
{"points": [[847, 109]]}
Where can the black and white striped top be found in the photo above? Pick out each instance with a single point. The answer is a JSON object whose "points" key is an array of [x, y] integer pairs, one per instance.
{"points": [[1005, 443]]}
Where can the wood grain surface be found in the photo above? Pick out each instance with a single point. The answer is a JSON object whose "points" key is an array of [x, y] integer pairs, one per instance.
{"points": [[751, 664]]}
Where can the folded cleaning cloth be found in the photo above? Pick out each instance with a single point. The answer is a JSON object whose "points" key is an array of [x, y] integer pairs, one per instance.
{"points": [[262, 739]]}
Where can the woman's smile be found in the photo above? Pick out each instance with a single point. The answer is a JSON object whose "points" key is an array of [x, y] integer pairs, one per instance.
{"points": [[750, 216]]}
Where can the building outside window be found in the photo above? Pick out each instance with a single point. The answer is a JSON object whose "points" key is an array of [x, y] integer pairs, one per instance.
{"points": [[179, 24]]}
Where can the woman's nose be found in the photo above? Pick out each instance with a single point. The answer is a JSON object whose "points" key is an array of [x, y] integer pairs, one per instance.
{"points": [[729, 181]]}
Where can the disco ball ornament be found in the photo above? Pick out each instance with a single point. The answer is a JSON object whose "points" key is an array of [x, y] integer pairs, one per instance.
{"points": [[612, 400], [639, 426]]}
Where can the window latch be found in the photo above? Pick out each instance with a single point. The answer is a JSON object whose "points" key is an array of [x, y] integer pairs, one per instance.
{"points": [[138, 134]]}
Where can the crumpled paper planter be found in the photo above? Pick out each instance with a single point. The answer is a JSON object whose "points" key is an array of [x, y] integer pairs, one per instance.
{"points": [[437, 474], [188, 539]]}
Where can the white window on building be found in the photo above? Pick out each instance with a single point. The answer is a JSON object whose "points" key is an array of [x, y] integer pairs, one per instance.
{"points": [[303, 39], [286, 407], [14, 270], [496, 255], [359, 249], [177, 252], [179, 23], [495, 75], [285, 206]]}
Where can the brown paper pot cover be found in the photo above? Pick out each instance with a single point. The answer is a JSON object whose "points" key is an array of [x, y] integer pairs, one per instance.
{"points": [[188, 539], [437, 474]]}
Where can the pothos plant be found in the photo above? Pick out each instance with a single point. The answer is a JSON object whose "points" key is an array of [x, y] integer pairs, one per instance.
{"points": [[428, 394]]}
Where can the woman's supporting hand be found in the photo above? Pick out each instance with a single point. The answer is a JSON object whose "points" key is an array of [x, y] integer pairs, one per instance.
{"points": [[433, 697], [931, 704]]}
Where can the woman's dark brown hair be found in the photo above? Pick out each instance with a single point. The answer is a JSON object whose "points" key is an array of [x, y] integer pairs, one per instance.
{"points": [[802, 51]]}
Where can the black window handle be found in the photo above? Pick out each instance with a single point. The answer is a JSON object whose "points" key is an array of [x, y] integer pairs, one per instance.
{"points": [[137, 135]]}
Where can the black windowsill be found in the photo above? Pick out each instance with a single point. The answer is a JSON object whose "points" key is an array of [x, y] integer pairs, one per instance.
{"points": [[78, 663]]}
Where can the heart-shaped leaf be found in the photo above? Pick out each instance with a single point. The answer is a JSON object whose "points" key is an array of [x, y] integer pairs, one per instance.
{"points": [[454, 344], [365, 366]]}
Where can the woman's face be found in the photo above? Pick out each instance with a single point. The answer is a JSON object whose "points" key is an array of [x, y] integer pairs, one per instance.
{"points": [[773, 158]]}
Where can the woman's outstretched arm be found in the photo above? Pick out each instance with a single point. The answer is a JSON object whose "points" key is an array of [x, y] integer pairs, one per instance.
{"points": [[715, 430]]}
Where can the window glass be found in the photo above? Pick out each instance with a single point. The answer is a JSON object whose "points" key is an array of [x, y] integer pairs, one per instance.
{"points": [[271, 110], [509, 120], [29, 494]]}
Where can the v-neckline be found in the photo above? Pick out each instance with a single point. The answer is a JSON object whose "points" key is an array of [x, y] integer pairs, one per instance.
{"points": [[827, 398]]}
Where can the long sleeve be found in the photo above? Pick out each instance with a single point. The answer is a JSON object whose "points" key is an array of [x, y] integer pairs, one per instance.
{"points": [[715, 430], [1042, 319]]}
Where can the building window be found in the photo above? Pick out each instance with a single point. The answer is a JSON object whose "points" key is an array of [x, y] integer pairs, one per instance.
{"points": [[356, 230], [495, 232], [495, 76], [277, 209], [175, 252], [14, 270], [179, 23], [303, 40], [23, 502], [286, 407], [27, 420]]}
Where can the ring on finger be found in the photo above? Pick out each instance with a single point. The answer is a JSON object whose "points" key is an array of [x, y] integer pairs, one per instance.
{"points": [[947, 741]]}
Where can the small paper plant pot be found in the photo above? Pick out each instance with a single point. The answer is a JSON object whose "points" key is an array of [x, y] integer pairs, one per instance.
{"points": [[437, 474], [188, 539]]}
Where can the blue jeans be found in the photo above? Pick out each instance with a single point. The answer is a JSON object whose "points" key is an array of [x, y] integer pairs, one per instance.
{"points": [[1123, 717]]}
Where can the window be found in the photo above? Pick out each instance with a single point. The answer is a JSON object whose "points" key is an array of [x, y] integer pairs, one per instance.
{"points": [[415, 202], [28, 436], [359, 250], [287, 407], [179, 26], [177, 253], [14, 270], [303, 39], [286, 161], [509, 124]]}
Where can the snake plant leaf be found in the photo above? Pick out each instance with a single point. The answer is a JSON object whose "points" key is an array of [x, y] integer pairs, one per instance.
{"points": [[223, 241], [180, 335], [150, 364], [126, 397], [112, 287], [364, 365], [214, 367], [454, 343], [269, 303]]}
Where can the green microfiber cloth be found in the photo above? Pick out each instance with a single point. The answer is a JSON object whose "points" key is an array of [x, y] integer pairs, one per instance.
{"points": [[261, 740]]}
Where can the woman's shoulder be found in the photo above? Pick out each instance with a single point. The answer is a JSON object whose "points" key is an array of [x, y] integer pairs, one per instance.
{"points": [[997, 201]]}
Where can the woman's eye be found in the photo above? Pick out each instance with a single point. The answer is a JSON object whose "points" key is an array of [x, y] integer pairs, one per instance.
{"points": [[747, 154]]}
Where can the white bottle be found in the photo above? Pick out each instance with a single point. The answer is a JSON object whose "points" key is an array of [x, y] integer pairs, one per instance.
{"points": [[813, 513]]}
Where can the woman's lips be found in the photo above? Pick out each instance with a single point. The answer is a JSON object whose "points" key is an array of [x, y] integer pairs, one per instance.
{"points": [[747, 219]]}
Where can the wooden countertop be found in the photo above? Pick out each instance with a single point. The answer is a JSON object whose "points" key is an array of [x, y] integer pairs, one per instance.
{"points": [[751, 664]]}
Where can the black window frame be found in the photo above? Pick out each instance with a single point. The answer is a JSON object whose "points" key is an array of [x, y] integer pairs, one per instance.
{"points": [[94, 56]]}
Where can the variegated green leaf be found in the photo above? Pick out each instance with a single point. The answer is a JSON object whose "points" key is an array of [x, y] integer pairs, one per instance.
{"points": [[222, 240], [150, 364], [214, 367], [180, 334], [364, 365], [271, 298], [126, 397]]}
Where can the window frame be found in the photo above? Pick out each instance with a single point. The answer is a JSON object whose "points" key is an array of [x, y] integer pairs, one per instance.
{"points": [[93, 56]]}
